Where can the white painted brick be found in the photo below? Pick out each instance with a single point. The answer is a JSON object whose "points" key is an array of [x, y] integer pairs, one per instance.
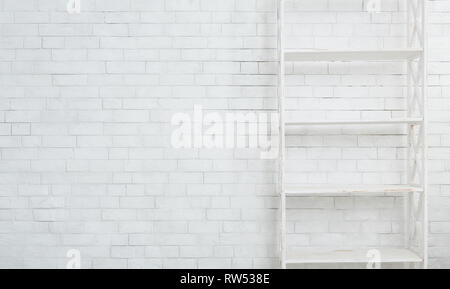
{"points": [[85, 152]]}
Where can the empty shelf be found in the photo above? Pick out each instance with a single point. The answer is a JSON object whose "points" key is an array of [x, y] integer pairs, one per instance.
{"points": [[352, 55], [388, 255], [292, 190], [355, 122]]}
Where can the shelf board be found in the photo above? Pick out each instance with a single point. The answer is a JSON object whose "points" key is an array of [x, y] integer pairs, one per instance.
{"points": [[352, 55], [297, 191], [388, 255], [356, 122]]}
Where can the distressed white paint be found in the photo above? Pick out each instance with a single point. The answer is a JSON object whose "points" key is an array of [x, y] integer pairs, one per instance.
{"points": [[86, 162]]}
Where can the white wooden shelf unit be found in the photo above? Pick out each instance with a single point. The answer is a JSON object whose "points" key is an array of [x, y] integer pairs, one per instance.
{"points": [[415, 246]]}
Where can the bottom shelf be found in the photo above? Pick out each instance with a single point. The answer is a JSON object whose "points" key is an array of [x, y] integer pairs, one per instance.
{"points": [[388, 255]]}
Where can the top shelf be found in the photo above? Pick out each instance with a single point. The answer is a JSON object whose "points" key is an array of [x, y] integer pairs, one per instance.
{"points": [[352, 55]]}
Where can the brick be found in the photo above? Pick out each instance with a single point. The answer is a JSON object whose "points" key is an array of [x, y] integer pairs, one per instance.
{"points": [[86, 158]]}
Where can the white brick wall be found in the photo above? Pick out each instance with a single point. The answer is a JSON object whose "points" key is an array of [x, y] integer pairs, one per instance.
{"points": [[86, 161]]}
